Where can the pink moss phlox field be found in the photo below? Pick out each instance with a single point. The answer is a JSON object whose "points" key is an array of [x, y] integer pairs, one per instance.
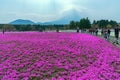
{"points": [[57, 56]]}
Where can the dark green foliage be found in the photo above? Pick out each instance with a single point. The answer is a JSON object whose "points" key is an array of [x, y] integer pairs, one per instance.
{"points": [[82, 24], [113, 23], [85, 23], [34, 27], [72, 24], [104, 23]]}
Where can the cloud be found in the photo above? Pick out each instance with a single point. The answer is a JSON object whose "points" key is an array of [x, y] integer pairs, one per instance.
{"points": [[46, 10]]}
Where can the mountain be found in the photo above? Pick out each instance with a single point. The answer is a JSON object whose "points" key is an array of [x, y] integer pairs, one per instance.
{"points": [[66, 18], [21, 21]]}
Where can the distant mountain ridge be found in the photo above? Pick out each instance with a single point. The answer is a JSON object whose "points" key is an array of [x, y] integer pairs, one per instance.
{"points": [[65, 19], [21, 21]]}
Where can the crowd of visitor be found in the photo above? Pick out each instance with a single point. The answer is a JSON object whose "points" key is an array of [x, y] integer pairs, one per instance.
{"points": [[105, 32]]}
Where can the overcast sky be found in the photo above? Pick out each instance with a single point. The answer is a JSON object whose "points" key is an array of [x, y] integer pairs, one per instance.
{"points": [[49, 10]]}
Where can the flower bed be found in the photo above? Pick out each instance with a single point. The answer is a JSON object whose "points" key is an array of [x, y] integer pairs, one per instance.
{"points": [[57, 56]]}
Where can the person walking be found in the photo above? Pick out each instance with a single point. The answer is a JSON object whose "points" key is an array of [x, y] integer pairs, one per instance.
{"points": [[108, 34], [116, 34], [96, 31], [105, 33], [102, 31], [57, 30], [77, 29]]}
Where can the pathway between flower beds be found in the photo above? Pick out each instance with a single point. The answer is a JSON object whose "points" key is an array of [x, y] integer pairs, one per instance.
{"points": [[57, 56]]}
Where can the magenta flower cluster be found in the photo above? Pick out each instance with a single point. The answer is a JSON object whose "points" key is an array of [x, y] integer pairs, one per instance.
{"points": [[57, 56]]}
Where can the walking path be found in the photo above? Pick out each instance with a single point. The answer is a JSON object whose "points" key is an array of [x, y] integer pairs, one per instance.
{"points": [[111, 39]]}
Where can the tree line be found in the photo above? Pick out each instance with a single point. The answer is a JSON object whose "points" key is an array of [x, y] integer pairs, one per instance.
{"points": [[10, 27], [83, 23]]}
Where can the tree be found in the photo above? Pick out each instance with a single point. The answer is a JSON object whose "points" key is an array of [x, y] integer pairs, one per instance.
{"points": [[77, 24], [72, 25], [66, 27], [113, 23], [105, 23], [102, 23], [84, 23], [94, 22], [33, 28], [8, 27]]}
